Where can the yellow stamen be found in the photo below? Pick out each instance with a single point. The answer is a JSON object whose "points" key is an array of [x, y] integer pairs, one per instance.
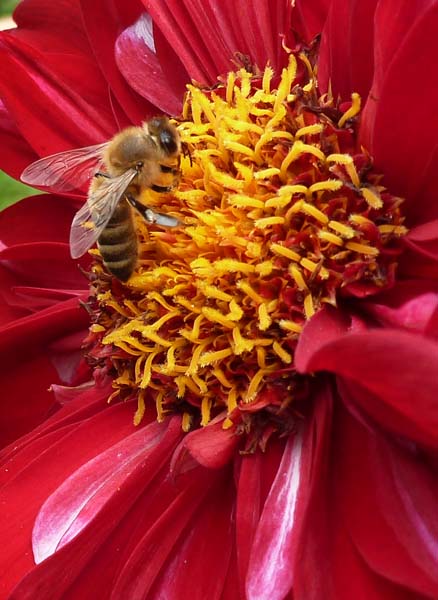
{"points": [[282, 353], [371, 197], [186, 422], [362, 248], [352, 111], [205, 411], [286, 252]]}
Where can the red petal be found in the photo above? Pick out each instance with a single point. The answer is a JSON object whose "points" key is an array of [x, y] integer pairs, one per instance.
{"points": [[16, 152], [137, 61], [103, 26], [377, 369], [206, 536], [309, 17], [249, 28], [70, 93], [29, 261], [400, 107], [388, 497], [41, 23], [21, 453], [26, 371], [346, 54], [37, 218]]}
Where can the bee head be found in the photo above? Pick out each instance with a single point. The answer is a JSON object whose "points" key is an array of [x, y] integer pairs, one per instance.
{"points": [[165, 135]]}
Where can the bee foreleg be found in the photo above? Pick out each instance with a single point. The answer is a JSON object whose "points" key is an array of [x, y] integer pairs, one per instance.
{"points": [[151, 216]]}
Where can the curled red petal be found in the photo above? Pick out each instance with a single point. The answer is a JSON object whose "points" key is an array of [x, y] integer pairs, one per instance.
{"points": [[105, 513], [212, 447], [379, 364], [408, 305], [103, 26], [138, 62], [56, 453], [387, 494]]}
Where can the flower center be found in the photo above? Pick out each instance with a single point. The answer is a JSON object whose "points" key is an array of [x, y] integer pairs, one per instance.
{"points": [[282, 214]]}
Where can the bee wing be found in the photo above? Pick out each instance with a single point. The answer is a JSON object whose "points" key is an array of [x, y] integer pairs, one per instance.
{"points": [[90, 220], [66, 170]]}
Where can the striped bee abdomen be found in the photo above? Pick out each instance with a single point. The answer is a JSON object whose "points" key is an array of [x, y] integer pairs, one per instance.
{"points": [[118, 242]]}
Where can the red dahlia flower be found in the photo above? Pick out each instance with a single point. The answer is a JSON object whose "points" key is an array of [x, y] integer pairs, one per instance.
{"points": [[277, 353]]}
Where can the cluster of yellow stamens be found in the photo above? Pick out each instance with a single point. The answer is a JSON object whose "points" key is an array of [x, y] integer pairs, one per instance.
{"points": [[281, 213]]}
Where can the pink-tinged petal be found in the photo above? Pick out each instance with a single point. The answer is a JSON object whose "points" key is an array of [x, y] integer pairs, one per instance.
{"points": [[103, 26], [308, 18], [207, 537], [34, 83], [346, 54], [409, 305], [270, 570], [250, 28], [401, 108], [376, 371], [255, 475], [388, 497], [84, 494], [16, 152], [312, 548], [46, 463], [55, 574], [138, 63], [248, 509]]}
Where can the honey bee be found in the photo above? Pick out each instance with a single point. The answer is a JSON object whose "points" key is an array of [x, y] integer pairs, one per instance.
{"points": [[134, 159]]}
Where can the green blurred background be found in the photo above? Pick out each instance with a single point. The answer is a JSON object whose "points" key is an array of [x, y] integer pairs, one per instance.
{"points": [[11, 190], [7, 6]]}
